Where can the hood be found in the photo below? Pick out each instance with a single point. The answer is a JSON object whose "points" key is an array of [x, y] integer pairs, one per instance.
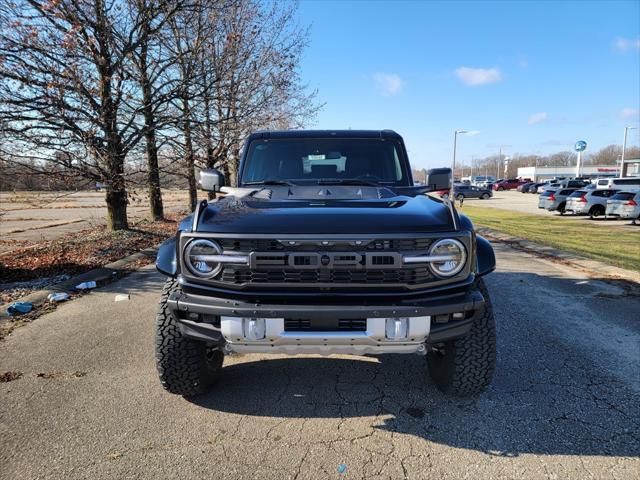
{"points": [[325, 210]]}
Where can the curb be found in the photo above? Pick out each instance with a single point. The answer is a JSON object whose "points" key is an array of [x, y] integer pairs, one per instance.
{"points": [[594, 267], [99, 275]]}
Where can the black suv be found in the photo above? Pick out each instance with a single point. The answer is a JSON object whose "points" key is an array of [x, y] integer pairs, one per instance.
{"points": [[326, 246]]}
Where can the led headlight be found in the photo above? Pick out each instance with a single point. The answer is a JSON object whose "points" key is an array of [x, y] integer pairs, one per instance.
{"points": [[199, 258], [453, 256]]}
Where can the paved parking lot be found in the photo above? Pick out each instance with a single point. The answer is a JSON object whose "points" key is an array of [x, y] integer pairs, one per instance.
{"points": [[563, 405], [528, 203]]}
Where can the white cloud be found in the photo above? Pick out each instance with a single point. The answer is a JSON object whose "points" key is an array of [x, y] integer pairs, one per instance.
{"points": [[629, 113], [478, 76], [538, 118], [388, 83], [623, 45]]}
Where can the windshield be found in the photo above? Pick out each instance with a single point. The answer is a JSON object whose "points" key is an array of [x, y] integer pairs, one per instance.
{"points": [[325, 160]]}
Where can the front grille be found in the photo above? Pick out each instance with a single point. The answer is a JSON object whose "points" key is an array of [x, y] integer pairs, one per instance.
{"points": [[266, 245], [324, 262], [410, 276], [325, 325]]}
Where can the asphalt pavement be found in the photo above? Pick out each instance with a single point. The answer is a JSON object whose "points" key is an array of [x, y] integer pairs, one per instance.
{"points": [[563, 404]]}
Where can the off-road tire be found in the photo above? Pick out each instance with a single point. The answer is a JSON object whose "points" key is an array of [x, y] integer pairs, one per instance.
{"points": [[186, 367], [464, 367]]}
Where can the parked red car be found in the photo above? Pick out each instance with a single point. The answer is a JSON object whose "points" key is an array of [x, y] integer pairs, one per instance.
{"points": [[509, 184]]}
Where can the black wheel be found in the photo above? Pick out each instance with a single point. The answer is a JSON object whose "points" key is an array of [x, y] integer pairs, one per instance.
{"points": [[500, 189], [460, 197], [561, 208], [464, 366], [185, 366], [596, 211], [485, 196]]}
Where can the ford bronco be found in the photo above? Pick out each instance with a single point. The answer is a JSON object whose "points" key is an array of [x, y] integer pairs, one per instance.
{"points": [[325, 245]]}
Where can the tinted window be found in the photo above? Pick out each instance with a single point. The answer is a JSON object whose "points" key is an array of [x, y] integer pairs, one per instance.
{"points": [[577, 194], [547, 193], [627, 181], [311, 159], [565, 192], [603, 182], [623, 196]]}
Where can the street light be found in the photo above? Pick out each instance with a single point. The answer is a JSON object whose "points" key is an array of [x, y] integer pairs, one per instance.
{"points": [[455, 143], [624, 148]]}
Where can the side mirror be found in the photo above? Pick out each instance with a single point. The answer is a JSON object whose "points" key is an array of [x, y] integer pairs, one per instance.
{"points": [[211, 180], [439, 179]]}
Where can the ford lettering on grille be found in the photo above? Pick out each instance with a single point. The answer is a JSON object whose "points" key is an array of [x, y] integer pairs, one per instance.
{"points": [[325, 260]]}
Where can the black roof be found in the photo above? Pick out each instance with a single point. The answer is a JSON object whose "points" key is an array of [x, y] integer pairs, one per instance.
{"points": [[324, 133]]}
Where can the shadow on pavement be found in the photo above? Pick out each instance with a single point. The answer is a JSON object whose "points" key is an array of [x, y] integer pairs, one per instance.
{"points": [[550, 395]]}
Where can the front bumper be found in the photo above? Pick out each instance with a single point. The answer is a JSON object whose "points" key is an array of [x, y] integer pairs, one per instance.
{"points": [[430, 321]]}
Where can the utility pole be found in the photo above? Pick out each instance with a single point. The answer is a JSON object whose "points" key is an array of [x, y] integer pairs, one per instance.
{"points": [[624, 148]]}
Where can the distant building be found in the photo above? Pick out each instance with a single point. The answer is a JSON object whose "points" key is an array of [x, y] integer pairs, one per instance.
{"points": [[593, 171]]}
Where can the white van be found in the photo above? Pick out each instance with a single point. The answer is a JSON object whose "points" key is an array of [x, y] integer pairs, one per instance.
{"points": [[628, 184]]}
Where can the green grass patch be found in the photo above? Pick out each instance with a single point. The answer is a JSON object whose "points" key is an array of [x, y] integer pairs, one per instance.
{"points": [[611, 245]]}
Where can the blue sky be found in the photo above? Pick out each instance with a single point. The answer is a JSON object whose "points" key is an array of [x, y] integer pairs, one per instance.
{"points": [[534, 76]]}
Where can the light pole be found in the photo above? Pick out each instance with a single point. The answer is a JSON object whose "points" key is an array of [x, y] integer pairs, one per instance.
{"points": [[455, 144], [500, 161], [624, 148]]}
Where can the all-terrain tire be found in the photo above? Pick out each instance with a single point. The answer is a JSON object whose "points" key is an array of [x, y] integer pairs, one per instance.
{"points": [[464, 367], [186, 367]]}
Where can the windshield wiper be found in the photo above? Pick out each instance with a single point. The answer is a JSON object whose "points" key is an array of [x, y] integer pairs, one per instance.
{"points": [[348, 181], [271, 182]]}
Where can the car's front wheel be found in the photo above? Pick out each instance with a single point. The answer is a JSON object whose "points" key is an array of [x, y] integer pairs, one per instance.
{"points": [[185, 366], [485, 196], [464, 366]]}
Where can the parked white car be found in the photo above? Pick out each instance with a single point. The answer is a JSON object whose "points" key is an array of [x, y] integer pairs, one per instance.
{"points": [[624, 205], [628, 184]]}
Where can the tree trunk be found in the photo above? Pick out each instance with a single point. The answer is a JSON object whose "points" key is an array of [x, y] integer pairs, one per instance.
{"points": [[188, 156], [153, 174], [116, 199], [113, 153]]}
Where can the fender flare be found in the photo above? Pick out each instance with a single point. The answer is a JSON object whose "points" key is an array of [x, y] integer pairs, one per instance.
{"points": [[166, 260], [485, 256]]}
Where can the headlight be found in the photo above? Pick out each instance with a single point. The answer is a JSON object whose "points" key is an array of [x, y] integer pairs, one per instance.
{"points": [[454, 256], [197, 258]]}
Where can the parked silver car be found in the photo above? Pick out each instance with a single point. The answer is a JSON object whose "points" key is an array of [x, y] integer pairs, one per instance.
{"points": [[624, 205], [588, 202], [556, 200], [543, 199], [548, 186]]}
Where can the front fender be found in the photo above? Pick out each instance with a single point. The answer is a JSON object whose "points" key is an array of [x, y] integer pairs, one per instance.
{"points": [[485, 256], [166, 261]]}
